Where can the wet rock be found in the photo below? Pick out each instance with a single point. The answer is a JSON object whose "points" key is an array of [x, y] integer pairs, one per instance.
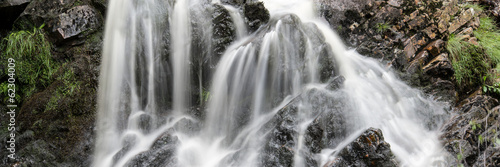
{"points": [[342, 10], [234, 2], [442, 90], [76, 22], [37, 153], [417, 63], [472, 132], [328, 128], [10, 10], [255, 15], [224, 31], [369, 149], [161, 152], [490, 157], [100, 5], [440, 67]]}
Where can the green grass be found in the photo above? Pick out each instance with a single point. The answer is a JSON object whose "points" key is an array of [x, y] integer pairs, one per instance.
{"points": [[476, 7], [473, 63], [469, 62], [489, 38], [381, 27], [34, 64]]}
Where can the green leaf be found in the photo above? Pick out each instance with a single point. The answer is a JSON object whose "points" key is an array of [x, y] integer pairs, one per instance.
{"points": [[485, 89]]}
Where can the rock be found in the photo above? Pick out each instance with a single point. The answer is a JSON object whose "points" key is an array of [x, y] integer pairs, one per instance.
{"points": [[440, 67], [413, 44], [161, 152], [490, 157], [255, 15], [417, 63], [10, 10], [431, 31], [100, 5], [443, 90], [39, 12], [435, 47], [450, 9], [326, 130], [234, 2], [472, 132], [465, 17], [338, 11], [369, 149], [417, 23], [224, 31], [75, 23], [37, 153]]}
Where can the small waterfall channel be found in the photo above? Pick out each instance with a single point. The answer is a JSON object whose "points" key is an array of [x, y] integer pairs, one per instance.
{"points": [[165, 99]]}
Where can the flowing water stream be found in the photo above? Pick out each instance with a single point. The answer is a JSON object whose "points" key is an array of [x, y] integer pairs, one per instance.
{"points": [[268, 87]]}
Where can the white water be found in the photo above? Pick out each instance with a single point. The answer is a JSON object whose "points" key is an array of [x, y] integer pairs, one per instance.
{"points": [[257, 77]]}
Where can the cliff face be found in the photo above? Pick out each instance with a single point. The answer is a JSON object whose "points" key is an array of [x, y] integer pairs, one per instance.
{"points": [[442, 48], [56, 113], [56, 102]]}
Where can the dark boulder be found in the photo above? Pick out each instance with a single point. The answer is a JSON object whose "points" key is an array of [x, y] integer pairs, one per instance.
{"points": [[161, 152], [255, 15], [224, 31], [369, 149], [10, 10], [234, 2], [77, 22], [65, 20]]}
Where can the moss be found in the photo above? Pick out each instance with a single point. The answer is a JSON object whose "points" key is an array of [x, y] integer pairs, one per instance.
{"points": [[65, 92], [33, 59]]}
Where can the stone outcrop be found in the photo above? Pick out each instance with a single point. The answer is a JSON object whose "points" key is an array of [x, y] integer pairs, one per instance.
{"points": [[255, 15], [77, 21], [473, 134], [64, 20], [55, 125], [369, 149]]}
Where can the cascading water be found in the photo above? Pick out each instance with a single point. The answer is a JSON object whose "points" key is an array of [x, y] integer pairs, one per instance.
{"points": [[267, 92]]}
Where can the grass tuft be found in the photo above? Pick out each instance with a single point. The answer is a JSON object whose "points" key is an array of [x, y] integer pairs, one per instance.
{"points": [[469, 61], [489, 38], [476, 7], [34, 64], [382, 27]]}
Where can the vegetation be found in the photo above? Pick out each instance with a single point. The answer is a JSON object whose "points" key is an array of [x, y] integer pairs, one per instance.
{"points": [[68, 89], [476, 7], [469, 61], [34, 64], [382, 27], [489, 38]]}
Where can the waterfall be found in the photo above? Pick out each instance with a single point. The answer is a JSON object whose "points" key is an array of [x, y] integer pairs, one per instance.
{"points": [[267, 90]]}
